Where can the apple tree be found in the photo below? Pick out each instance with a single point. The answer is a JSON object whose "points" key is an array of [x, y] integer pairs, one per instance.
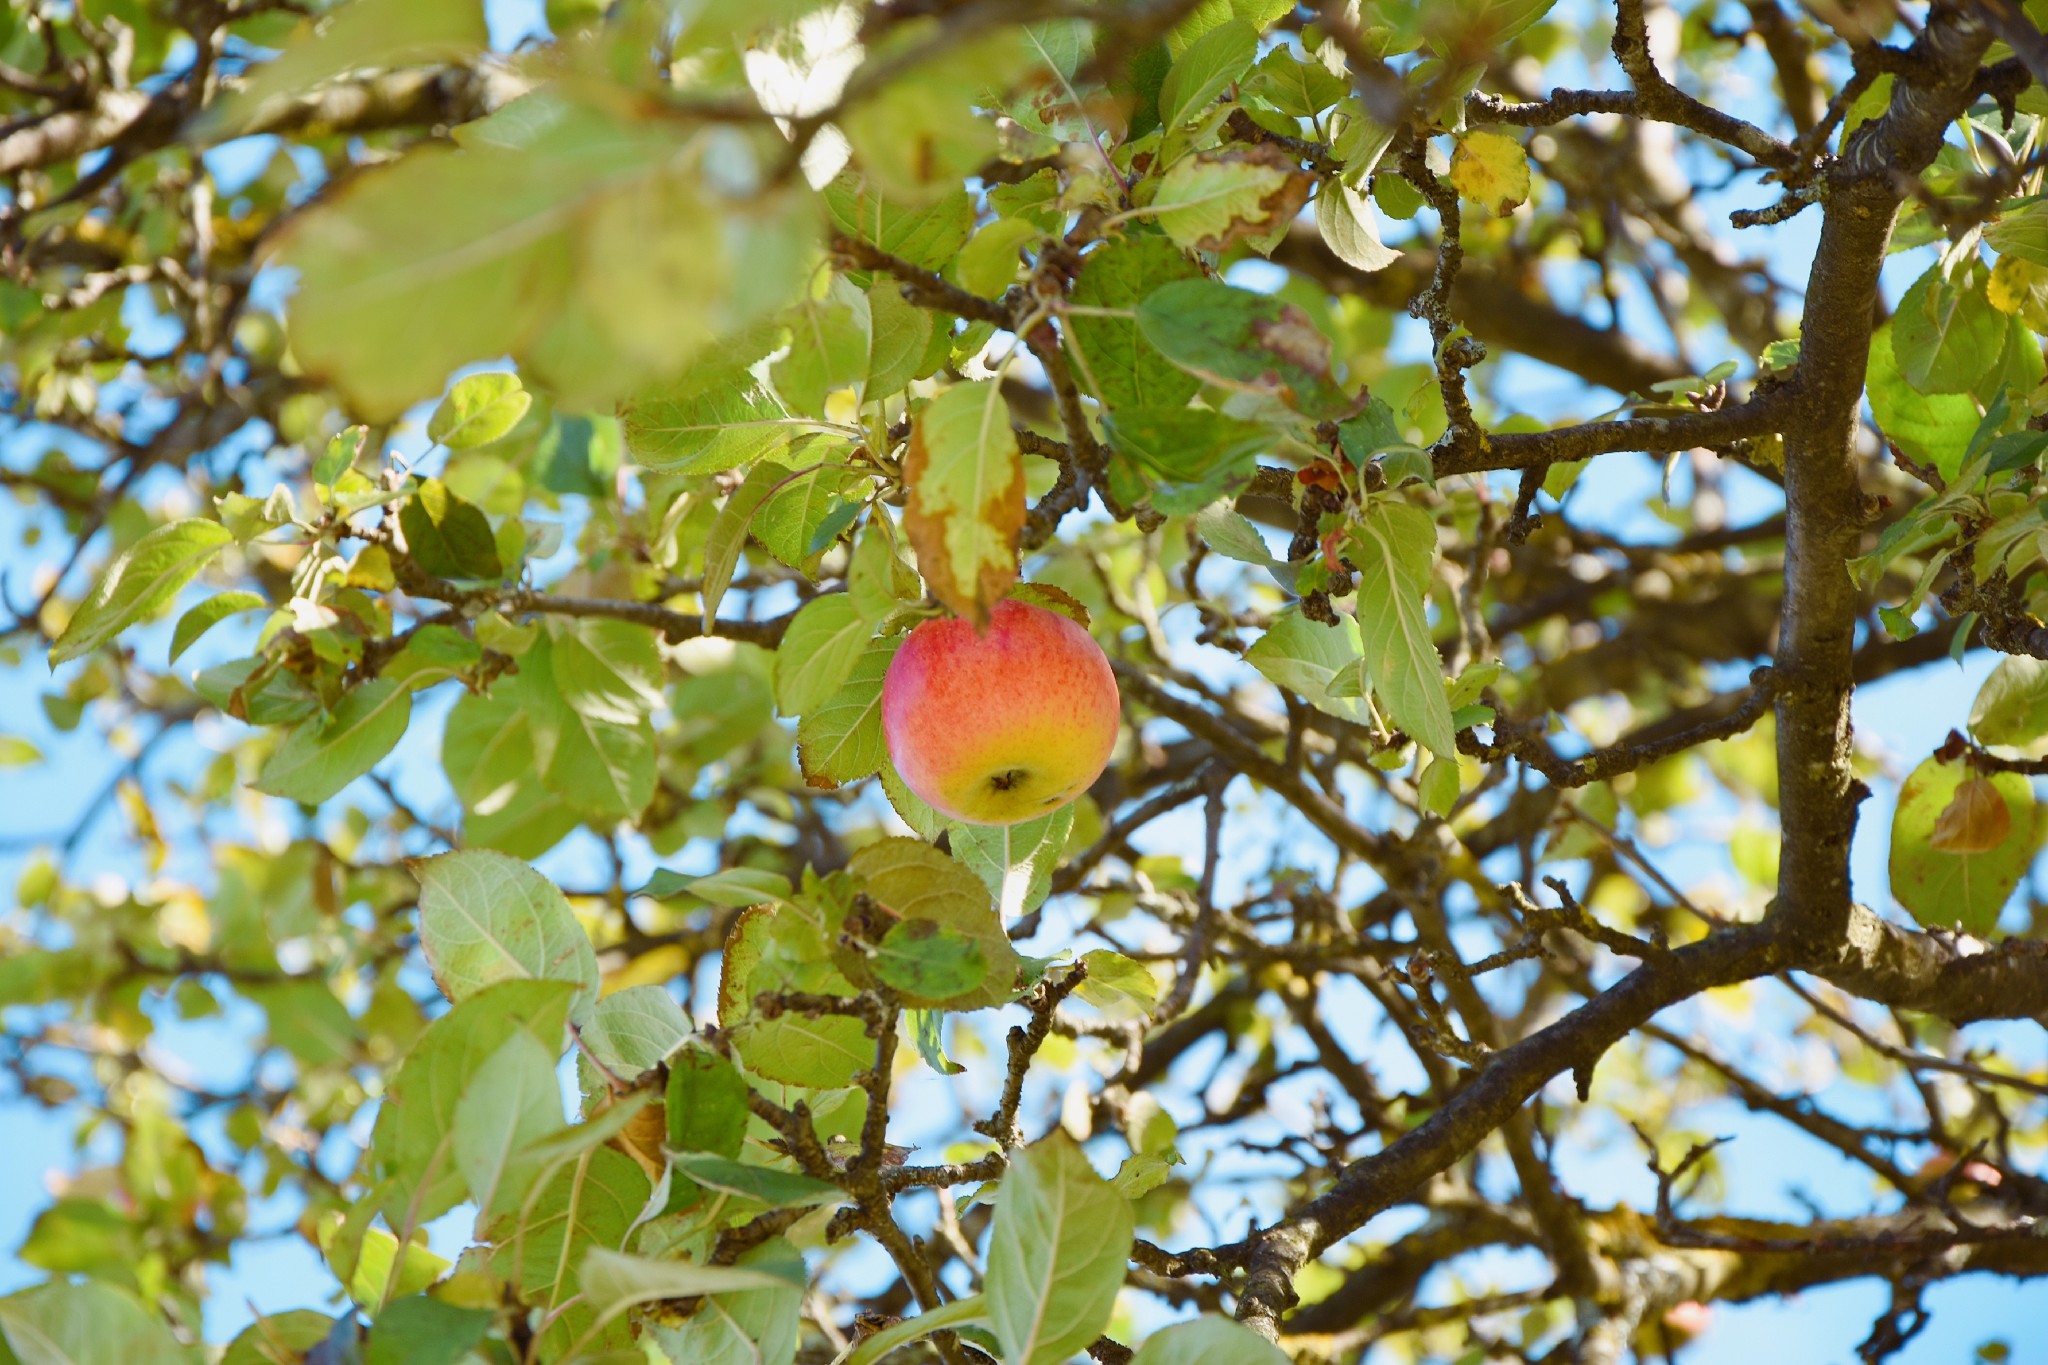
{"points": [[472, 474]]}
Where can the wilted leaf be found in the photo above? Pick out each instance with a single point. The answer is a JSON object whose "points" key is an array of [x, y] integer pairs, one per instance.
{"points": [[1976, 820], [1491, 169], [966, 508], [1213, 198], [1966, 885], [1244, 340]]}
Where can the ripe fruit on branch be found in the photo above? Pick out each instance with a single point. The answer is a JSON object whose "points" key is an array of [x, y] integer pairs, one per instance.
{"points": [[1001, 726]]}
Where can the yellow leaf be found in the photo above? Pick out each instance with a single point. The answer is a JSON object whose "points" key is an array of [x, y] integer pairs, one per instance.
{"points": [[1491, 169]]}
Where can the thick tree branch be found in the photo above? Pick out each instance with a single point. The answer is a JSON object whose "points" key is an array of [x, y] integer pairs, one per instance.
{"points": [[1825, 510]]}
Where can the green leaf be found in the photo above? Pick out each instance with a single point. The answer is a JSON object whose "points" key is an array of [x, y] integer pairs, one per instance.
{"points": [[1394, 546], [824, 642], [413, 1146], [712, 417], [279, 697], [1118, 986], [1254, 342], [1214, 198], [1056, 1255], [918, 135], [1208, 1340], [1187, 444], [758, 1326], [1234, 537], [607, 670], [707, 1103], [91, 1323], [1945, 334], [899, 334], [761, 1184], [1127, 368], [2022, 233], [740, 886], [343, 449], [614, 1282], [1955, 872], [323, 754], [486, 918], [577, 237], [799, 521], [841, 741], [876, 580], [990, 263], [305, 1020], [927, 1032], [968, 1312], [966, 507], [16, 752], [488, 753], [1350, 229], [279, 1339], [1015, 862], [1438, 787], [911, 880], [589, 1203], [603, 770], [1209, 66], [1300, 89], [927, 234], [480, 409], [381, 33], [1307, 658], [781, 949], [828, 351], [728, 534], [927, 962], [448, 537], [571, 1141], [422, 1330], [2012, 705], [139, 583], [636, 1029], [208, 614], [369, 1260], [1933, 428]]}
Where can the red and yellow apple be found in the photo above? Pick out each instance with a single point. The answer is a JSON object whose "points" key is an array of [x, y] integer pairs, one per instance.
{"points": [[1002, 725]]}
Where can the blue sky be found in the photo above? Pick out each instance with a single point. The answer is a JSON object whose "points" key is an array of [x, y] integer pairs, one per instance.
{"points": [[1767, 1163]]}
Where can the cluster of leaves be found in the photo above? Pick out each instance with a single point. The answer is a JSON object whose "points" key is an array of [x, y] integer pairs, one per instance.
{"points": [[639, 389]]}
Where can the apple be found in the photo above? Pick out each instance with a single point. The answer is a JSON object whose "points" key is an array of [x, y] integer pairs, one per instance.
{"points": [[1002, 725]]}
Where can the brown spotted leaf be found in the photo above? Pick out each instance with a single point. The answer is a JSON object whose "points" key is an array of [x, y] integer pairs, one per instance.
{"points": [[966, 507], [1946, 867], [1976, 820], [1490, 168], [1211, 199]]}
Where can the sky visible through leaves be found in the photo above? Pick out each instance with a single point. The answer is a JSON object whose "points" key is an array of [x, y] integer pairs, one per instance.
{"points": [[1911, 712]]}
